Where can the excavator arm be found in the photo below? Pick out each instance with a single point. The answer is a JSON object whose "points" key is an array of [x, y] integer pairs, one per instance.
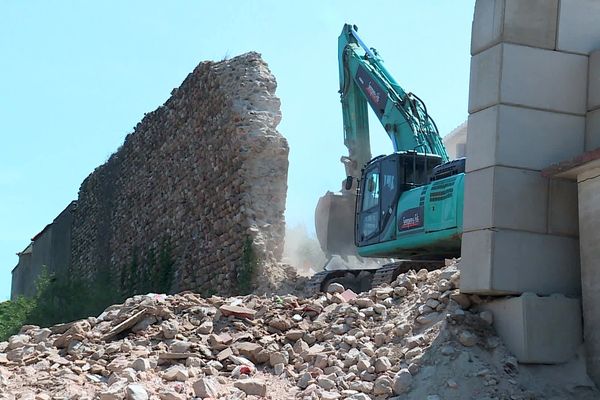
{"points": [[364, 80]]}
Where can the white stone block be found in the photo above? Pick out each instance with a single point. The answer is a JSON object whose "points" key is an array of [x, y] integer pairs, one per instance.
{"points": [[562, 208], [520, 199], [578, 26], [500, 197], [502, 261], [540, 330], [484, 85], [526, 22], [522, 137], [530, 77], [531, 22], [482, 139], [479, 189], [488, 21], [476, 261], [594, 81], [592, 130]]}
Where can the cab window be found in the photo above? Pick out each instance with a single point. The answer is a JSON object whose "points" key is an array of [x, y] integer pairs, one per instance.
{"points": [[369, 216], [371, 191]]}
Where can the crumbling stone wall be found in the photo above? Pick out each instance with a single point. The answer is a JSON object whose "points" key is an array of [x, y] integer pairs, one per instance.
{"points": [[202, 174]]}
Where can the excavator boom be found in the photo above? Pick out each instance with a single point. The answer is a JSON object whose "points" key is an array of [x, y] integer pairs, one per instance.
{"points": [[365, 80]]}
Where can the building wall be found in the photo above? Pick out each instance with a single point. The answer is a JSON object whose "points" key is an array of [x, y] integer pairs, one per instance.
{"points": [[21, 275], [60, 242], [51, 248], [456, 142], [41, 257]]}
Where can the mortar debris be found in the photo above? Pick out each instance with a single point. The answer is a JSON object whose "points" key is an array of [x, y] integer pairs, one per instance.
{"points": [[418, 338]]}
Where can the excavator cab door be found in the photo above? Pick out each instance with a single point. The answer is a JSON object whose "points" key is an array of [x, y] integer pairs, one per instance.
{"points": [[369, 207], [377, 201]]}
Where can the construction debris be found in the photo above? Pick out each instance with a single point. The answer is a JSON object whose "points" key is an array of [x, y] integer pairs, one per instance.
{"points": [[414, 339]]}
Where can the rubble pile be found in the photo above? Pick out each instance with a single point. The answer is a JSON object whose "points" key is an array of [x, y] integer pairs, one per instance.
{"points": [[418, 338], [280, 279]]}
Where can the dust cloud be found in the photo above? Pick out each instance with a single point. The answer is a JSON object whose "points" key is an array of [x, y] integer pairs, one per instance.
{"points": [[302, 251]]}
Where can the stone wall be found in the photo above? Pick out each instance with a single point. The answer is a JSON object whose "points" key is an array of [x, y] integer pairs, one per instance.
{"points": [[198, 178]]}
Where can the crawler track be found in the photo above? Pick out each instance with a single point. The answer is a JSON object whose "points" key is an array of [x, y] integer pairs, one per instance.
{"points": [[377, 277]]}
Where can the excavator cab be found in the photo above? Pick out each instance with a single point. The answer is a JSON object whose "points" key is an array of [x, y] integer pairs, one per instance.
{"points": [[384, 180]]}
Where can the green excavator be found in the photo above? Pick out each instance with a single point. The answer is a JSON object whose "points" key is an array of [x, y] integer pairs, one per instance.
{"points": [[406, 207]]}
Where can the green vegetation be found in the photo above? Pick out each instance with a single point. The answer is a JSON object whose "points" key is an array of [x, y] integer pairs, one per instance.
{"points": [[13, 315], [247, 269], [58, 299], [162, 280], [65, 298], [153, 274]]}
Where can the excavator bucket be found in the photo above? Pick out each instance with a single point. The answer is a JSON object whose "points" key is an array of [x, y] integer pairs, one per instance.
{"points": [[334, 223]]}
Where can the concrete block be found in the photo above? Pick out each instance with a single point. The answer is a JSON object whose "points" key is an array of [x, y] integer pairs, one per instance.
{"points": [[544, 79], [484, 84], [482, 139], [593, 100], [520, 199], [562, 208], [592, 130], [501, 261], [539, 330], [488, 21], [500, 197], [476, 260], [531, 22], [578, 27], [526, 22], [478, 208], [530, 77], [499, 135]]}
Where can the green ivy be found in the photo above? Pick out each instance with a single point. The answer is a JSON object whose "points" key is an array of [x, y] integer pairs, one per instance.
{"points": [[132, 274], [65, 298], [164, 272], [152, 274], [247, 269], [58, 298]]}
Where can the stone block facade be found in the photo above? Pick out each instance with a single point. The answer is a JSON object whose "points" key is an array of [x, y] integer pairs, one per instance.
{"points": [[527, 105], [534, 101], [202, 180]]}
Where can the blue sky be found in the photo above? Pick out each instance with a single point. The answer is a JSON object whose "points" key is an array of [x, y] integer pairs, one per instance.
{"points": [[76, 77]]}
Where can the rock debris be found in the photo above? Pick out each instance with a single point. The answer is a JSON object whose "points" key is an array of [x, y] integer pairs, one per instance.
{"points": [[417, 338]]}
